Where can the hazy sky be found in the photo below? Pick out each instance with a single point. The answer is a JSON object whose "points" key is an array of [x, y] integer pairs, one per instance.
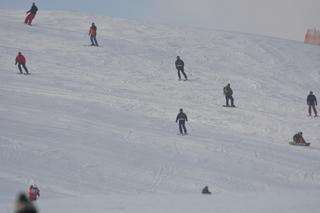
{"points": [[279, 18]]}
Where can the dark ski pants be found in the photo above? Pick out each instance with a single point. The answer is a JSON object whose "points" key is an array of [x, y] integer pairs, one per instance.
{"points": [[29, 18], [181, 69], [229, 97], [312, 107], [24, 67], [182, 127], [93, 41]]}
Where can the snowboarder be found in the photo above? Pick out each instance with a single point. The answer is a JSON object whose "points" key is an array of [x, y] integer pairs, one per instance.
{"points": [[21, 61], [93, 34], [298, 139], [180, 68], [23, 205], [312, 103], [32, 13], [34, 192], [182, 118], [227, 91], [206, 191]]}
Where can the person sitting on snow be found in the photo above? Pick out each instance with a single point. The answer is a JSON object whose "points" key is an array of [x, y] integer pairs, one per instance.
{"points": [[298, 139], [206, 191]]}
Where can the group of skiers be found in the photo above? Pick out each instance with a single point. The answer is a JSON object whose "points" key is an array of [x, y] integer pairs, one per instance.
{"points": [[179, 64]]}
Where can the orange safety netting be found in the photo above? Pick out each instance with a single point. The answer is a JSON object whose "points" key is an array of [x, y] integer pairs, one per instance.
{"points": [[312, 37]]}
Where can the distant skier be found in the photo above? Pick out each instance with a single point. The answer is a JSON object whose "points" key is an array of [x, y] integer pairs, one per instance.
{"points": [[227, 91], [32, 13], [206, 190], [34, 192], [180, 68], [299, 140], [93, 35], [182, 118], [312, 103], [21, 61]]}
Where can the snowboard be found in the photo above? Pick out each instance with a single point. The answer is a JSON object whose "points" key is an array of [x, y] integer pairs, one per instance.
{"points": [[229, 106], [298, 144]]}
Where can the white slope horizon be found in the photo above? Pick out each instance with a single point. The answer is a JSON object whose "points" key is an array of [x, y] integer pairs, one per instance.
{"points": [[94, 127]]}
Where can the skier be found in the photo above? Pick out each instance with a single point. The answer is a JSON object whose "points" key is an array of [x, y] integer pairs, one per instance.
{"points": [[32, 13], [182, 118], [312, 103], [34, 192], [21, 61], [206, 191], [227, 91], [23, 205], [93, 34], [298, 139], [180, 68]]}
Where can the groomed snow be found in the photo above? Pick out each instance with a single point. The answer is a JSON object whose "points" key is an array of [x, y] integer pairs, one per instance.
{"points": [[94, 127]]}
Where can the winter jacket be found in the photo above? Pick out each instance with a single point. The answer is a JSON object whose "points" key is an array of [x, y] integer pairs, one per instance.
{"points": [[93, 31], [298, 139], [181, 117], [227, 91], [205, 190], [33, 10], [179, 63], [34, 193], [20, 59], [27, 209], [311, 100]]}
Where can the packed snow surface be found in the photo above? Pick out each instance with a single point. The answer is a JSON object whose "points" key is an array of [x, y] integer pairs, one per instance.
{"points": [[94, 127]]}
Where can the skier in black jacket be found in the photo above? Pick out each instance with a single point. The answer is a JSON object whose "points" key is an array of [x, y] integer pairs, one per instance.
{"points": [[180, 68], [182, 118], [312, 103], [227, 91], [32, 13]]}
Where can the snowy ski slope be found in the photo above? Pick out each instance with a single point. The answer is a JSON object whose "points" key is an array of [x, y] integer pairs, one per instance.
{"points": [[94, 127]]}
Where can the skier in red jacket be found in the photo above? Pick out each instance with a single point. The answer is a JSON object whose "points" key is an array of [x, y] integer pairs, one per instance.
{"points": [[31, 14], [34, 192], [21, 61], [93, 34]]}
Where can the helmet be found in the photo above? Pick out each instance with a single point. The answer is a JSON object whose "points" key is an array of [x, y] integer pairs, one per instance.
{"points": [[181, 110], [178, 57], [299, 133], [311, 92]]}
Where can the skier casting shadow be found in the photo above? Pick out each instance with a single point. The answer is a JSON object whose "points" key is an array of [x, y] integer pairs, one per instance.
{"points": [[180, 67], [182, 118]]}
